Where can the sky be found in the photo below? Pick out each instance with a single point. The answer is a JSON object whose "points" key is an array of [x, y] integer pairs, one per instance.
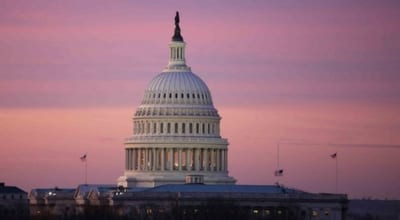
{"points": [[315, 77]]}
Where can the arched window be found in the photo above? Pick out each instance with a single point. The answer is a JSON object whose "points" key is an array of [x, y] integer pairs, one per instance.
{"points": [[169, 128], [203, 128], [183, 128], [162, 128], [190, 128], [154, 128], [197, 128], [176, 128]]}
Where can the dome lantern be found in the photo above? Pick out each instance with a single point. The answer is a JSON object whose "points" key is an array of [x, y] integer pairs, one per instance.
{"points": [[177, 46]]}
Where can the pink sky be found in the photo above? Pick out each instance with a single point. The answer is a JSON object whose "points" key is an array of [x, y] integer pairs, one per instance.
{"points": [[317, 77]]}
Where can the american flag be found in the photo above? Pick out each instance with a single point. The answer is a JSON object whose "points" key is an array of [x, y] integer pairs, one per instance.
{"points": [[83, 158]]}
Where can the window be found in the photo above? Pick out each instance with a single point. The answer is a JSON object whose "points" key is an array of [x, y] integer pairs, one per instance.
{"points": [[154, 128], [162, 128], [170, 95], [197, 128], [208, 128], [169, 128], [190, 128], [203, 128], [183, 128], [188, 96], [176, 95], [176, 128]]}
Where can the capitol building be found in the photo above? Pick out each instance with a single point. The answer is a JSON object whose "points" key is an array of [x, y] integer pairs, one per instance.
{"points": [[176, 165], [176, 129]]}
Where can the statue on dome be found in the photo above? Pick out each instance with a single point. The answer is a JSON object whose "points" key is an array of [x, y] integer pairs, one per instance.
{"points": [[177, 19], [177, 35]]}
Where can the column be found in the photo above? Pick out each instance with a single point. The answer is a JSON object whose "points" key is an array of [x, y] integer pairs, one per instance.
{"points": [[140, 157], [171, 159], [180, 159], [222, 160], [145, 159], [162, 159], [126, 159], [226, 160], [196, 159], [154, 164], [205, 160], [188, 167], [133, 153], [212, 159], [218, 160]]}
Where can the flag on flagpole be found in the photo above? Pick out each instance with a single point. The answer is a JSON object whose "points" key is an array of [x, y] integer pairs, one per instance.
{"points": [[83, 158], [279, 172], [334, 155]]}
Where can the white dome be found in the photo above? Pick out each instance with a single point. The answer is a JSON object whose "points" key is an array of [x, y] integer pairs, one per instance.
{"points": [[177, 88], [176, 129]]}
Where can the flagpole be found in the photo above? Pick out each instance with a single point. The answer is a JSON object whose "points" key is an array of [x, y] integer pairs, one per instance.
{"points": [[84, 159], [336, 158], [278, 157], [85, 171]]}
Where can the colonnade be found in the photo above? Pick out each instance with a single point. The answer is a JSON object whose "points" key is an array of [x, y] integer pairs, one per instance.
{"points": [[177, 53], [176, 159], [156, 127]]}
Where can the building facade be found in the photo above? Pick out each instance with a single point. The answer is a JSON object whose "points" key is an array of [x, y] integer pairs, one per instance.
{"points": [[176, 165], [13, 202], [176, 129]]}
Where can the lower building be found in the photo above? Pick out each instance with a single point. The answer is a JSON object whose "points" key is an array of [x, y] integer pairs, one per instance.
{"points": [[189, 201], [13, 202]]}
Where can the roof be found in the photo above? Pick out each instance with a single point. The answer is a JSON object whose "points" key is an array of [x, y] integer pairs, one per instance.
{"points": [[84, 189], [11, 189], [179, 83], [273, 189]]}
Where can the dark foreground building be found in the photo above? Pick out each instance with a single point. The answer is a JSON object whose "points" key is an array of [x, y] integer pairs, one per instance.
{"points": [[187, 201], [13, 202]]}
